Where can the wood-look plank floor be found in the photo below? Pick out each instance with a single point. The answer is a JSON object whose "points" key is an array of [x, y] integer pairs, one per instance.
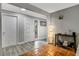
{"points": [[50, 50]]}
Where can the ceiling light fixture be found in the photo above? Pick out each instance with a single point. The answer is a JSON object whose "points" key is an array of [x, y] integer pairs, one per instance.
{"points": [[23, 9]]}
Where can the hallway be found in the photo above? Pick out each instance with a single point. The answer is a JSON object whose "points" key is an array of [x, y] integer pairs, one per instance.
{"points": [[21, 48]]}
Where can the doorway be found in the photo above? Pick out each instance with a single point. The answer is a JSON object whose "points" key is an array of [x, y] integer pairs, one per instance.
{"points": [[8, 30]]}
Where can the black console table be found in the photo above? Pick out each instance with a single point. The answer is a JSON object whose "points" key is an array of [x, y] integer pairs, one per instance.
{"points": [[67, 35]]}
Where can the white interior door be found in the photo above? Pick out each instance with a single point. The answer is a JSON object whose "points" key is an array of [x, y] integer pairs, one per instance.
{"points": [[8, 30]]}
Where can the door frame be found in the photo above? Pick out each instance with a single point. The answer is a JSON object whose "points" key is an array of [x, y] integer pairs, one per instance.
{"points": [[5, 14]]}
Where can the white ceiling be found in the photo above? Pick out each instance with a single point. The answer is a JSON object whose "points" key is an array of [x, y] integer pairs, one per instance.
{"points": [[14, 9], [52, 7]]}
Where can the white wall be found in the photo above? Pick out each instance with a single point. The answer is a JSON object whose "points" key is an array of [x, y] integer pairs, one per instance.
{"points": [[56, 23], [70, 20]]}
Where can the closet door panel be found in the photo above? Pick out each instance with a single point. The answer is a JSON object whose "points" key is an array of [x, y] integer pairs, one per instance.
{"points": [[28, 29]]}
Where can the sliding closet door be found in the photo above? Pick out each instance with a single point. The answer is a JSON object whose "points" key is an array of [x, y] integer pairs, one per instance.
{"points": [[8, 30], [28, 29]]}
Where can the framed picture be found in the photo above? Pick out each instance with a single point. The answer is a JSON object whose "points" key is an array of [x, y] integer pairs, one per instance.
{"points": [[43, 23]]}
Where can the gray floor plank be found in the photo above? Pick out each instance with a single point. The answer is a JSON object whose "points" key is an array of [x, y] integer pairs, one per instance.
{"points": [[17, 50]]}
